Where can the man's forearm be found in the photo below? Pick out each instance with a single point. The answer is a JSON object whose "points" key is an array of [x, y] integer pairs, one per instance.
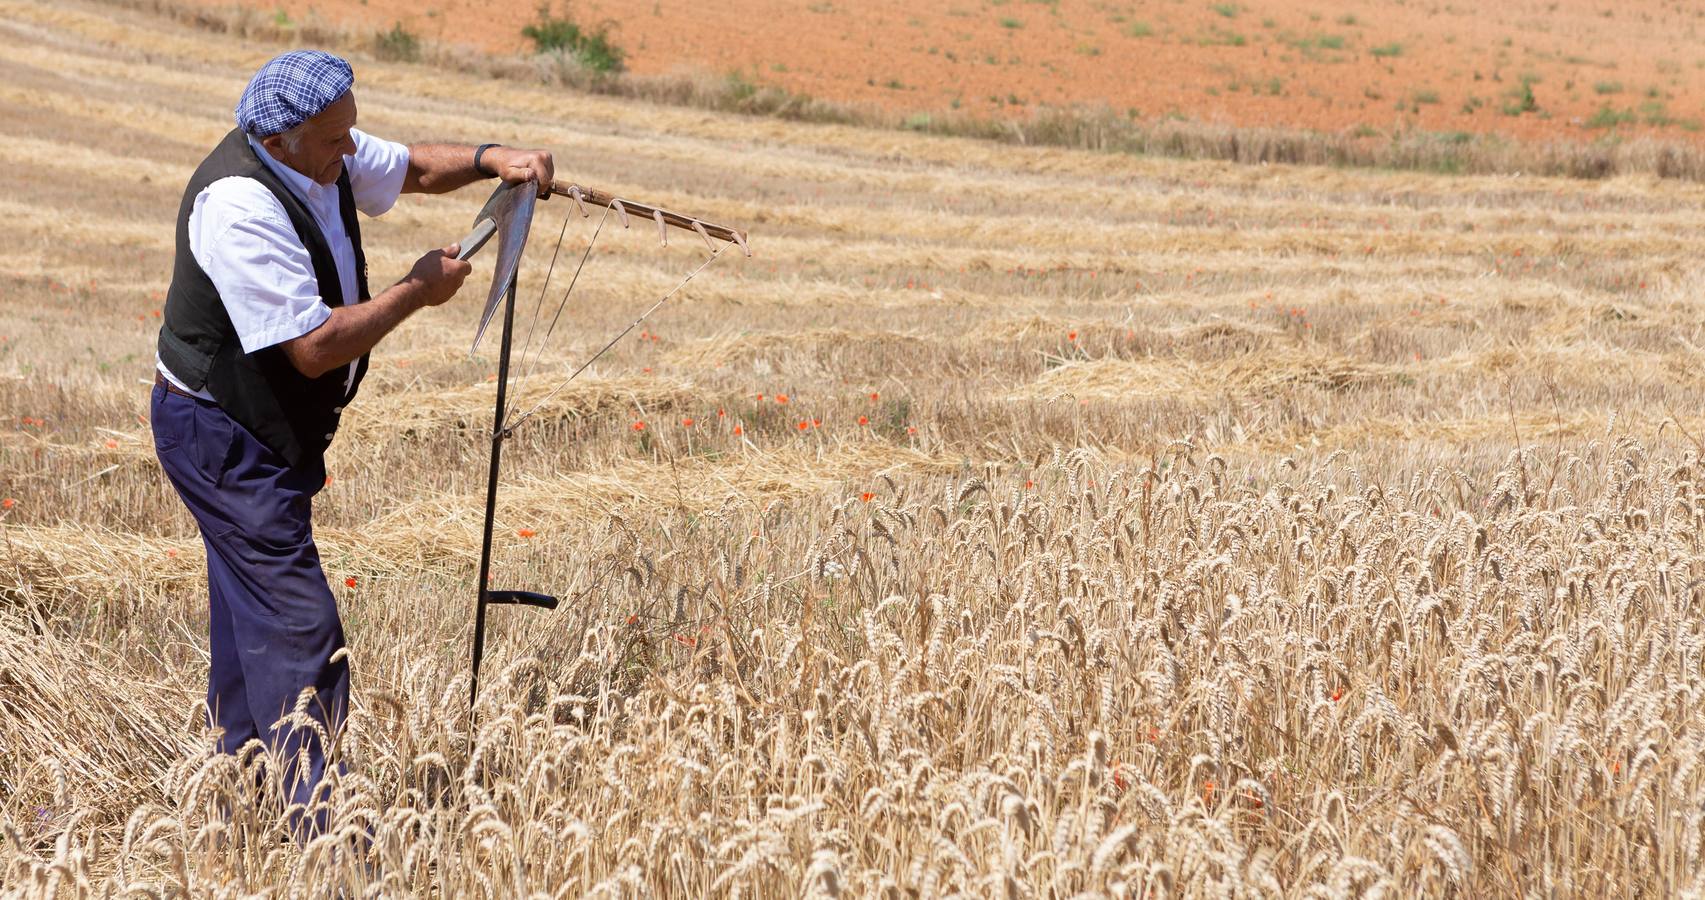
{"points": [[440, 168], [353, 330]]}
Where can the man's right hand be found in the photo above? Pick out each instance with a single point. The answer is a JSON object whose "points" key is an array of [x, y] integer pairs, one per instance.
{"points": [[438, 275]]}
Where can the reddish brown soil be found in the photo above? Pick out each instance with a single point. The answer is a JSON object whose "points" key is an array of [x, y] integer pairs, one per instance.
{"points": [[1333, 64]]}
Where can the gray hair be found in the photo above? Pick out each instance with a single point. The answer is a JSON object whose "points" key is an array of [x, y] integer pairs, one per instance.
{"points": [[293, 138]]}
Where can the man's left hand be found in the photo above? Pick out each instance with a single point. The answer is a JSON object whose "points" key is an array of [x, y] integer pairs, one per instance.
{"points": [[515, 165]]}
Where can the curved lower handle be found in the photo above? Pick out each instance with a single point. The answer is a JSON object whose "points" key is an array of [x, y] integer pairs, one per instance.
{"points": [[522, 598]]}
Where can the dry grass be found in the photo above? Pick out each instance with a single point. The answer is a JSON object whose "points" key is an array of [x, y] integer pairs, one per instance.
{"points": [[1269, 530]]}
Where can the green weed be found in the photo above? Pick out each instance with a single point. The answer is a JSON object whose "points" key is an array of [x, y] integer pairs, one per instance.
{"points": [[592, 47], [397, 44], [1610, 117]]}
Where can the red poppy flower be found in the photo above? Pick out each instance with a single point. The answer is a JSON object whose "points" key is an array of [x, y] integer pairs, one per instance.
{"points": [[781, 398], [8, 503], [687, 423], [525, 532], [864, 420], [866, 496], [738, 431], [639, 426], [349, 582], [874, 396]]}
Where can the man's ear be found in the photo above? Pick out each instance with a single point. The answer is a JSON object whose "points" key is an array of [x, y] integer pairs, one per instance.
{"points": [[274, 144]]}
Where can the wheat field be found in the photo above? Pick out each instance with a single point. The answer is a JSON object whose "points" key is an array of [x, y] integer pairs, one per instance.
{"points": [[1016, 522]]}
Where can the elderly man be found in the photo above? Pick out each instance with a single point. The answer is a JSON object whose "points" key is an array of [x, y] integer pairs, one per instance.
{"points": [[267, 328]]}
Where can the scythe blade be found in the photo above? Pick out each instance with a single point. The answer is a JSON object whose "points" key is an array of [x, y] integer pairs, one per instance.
{"points": [[508, 216]]}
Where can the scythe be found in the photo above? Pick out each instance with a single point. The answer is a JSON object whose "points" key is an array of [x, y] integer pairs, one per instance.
{"points": [[508, 216]]}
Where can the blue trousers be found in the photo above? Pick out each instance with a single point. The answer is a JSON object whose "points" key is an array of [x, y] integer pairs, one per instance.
{"points": [[273, 623]]}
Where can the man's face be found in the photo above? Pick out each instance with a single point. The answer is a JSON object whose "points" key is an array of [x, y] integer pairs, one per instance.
{"points": [[318, 149]]}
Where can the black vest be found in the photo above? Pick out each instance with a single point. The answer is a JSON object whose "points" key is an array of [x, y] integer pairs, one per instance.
{"points": [[293, 414]]}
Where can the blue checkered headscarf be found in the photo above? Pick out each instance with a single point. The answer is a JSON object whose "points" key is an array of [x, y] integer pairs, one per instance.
{"points": [[290, 90]]}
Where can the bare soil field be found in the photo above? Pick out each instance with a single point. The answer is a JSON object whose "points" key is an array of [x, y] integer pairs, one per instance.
{"points": [[1018, 521], [1580, 69]]}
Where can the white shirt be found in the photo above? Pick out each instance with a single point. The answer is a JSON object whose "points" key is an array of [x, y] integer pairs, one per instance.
{"points": [[242, 238]]}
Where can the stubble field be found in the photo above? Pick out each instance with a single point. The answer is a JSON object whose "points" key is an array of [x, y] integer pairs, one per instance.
{"points": [[1128, 527]]}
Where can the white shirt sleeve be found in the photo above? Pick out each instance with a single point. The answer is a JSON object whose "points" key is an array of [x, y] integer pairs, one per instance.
{"points": [[242, 238], [376, 172]]}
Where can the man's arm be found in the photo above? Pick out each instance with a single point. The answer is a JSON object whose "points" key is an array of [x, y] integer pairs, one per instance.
{"points": [[354, 330], [441, 168]]}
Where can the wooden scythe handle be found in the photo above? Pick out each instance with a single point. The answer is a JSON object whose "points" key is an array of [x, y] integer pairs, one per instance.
{"points": [[604, 199]]}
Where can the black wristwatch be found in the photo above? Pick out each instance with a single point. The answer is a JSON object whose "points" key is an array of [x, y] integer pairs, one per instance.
{"points": [[480, 153]]}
